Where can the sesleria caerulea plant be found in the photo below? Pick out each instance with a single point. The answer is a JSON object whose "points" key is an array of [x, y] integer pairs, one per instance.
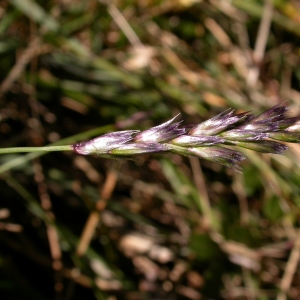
{"points": [[207, 140]]}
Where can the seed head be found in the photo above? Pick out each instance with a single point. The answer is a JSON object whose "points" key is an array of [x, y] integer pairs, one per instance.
{"points": [[224, 156], [104, 143], [258, 133], [161, 133], [218, 123]]}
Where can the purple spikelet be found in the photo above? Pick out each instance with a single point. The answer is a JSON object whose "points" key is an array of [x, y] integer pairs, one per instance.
{"points": [[261, 133]]}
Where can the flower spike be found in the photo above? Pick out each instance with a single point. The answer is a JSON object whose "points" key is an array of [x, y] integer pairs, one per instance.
{"points": [[161, 133], [104, 143], [217, 124], [258, 133]]}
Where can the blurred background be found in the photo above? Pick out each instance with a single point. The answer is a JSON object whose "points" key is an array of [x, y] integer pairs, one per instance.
{"points": [[160, 226]]}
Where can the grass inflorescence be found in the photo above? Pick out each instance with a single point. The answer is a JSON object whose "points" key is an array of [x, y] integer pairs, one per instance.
{"points": [[261, 133]]}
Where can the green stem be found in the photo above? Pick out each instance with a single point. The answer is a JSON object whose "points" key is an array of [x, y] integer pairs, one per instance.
{"points": [[36, 149], [21, 159]]}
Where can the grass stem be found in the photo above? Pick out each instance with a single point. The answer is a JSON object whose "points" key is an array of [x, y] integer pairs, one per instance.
{"points": [[36, 149]]}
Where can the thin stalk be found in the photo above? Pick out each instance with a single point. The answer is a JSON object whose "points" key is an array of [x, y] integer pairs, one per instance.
{"points": [[21, 159], [36, 149]]}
